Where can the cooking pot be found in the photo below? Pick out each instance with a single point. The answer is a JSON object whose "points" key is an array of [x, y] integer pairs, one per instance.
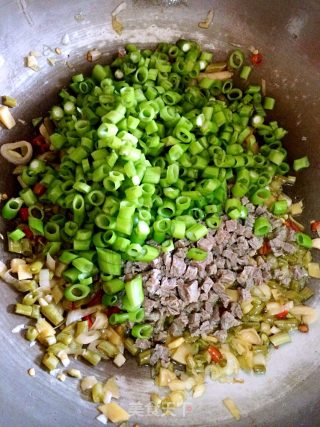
{"points": [[286, 32]]}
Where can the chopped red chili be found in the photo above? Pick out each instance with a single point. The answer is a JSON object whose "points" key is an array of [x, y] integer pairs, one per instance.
{"points": [[40, 144], [315, 225], [292, 225], [265, 248], [113, 310], [282, 315], [27, 232], [256, 58], [24, 214], [215, 354], [96, 299], [39, 189]]}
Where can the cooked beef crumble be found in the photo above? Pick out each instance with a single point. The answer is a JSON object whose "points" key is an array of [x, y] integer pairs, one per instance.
{"points": [[187, 295]]}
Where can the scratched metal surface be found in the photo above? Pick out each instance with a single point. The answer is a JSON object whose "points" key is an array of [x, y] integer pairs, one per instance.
{"points": [[287, 34]]}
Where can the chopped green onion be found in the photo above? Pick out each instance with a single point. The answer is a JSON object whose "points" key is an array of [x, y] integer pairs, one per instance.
{"points": [[280, 207], [301, 163], [11, 208], [142, 331], [76, 292], [261, 226], [16, 235], [134, 291], [197, 254], [304, 240]]}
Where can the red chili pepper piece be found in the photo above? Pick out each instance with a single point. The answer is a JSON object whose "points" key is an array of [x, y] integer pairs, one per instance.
{"points": [[282, 315], [265, 248], [256, 58], [314, 226], [40, 144], [292, 225], [89, 319], [24, 214], [112, 310], [39, 189], [215, 354], [27, 232], [96, 299]]}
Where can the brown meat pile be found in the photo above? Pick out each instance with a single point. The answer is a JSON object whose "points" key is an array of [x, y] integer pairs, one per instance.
{"points": [[183, 294]]}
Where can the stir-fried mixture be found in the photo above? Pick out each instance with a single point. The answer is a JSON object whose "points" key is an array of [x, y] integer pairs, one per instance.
{"points": [[152, 221]]}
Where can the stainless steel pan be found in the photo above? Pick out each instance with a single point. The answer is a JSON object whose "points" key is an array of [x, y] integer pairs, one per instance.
{"points": [[287, 34]]}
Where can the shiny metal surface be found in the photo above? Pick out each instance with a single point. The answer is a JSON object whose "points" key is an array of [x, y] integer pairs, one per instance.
{"points": [[287, 34]]}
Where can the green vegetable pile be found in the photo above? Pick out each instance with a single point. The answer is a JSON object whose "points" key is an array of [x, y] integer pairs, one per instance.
{"points": [[154, 147]]}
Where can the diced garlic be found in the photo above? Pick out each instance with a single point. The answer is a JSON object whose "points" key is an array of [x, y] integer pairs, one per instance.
{"points": [[93, 55], [250, 335], [274, 330], [31, 372], [18, 328], [316, 243], [198, 390], [182, 352], [119, 360], [155, 399], [314, 270], [88, 382], [62, 355], [102, 419], [177, 385], [189, 382], [14, 264], [75, 373], [54, 372], [44, 328], [297, 208], [112, 386], [24, 272], [61, 377], [32, 63], [65, 39], [50, 340], [165, 377], [177, 398], [232, 408], [274, 308], [48, 298], [114, 412], [107, 397], [176, 343], [6, 117], [308, 314]]}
